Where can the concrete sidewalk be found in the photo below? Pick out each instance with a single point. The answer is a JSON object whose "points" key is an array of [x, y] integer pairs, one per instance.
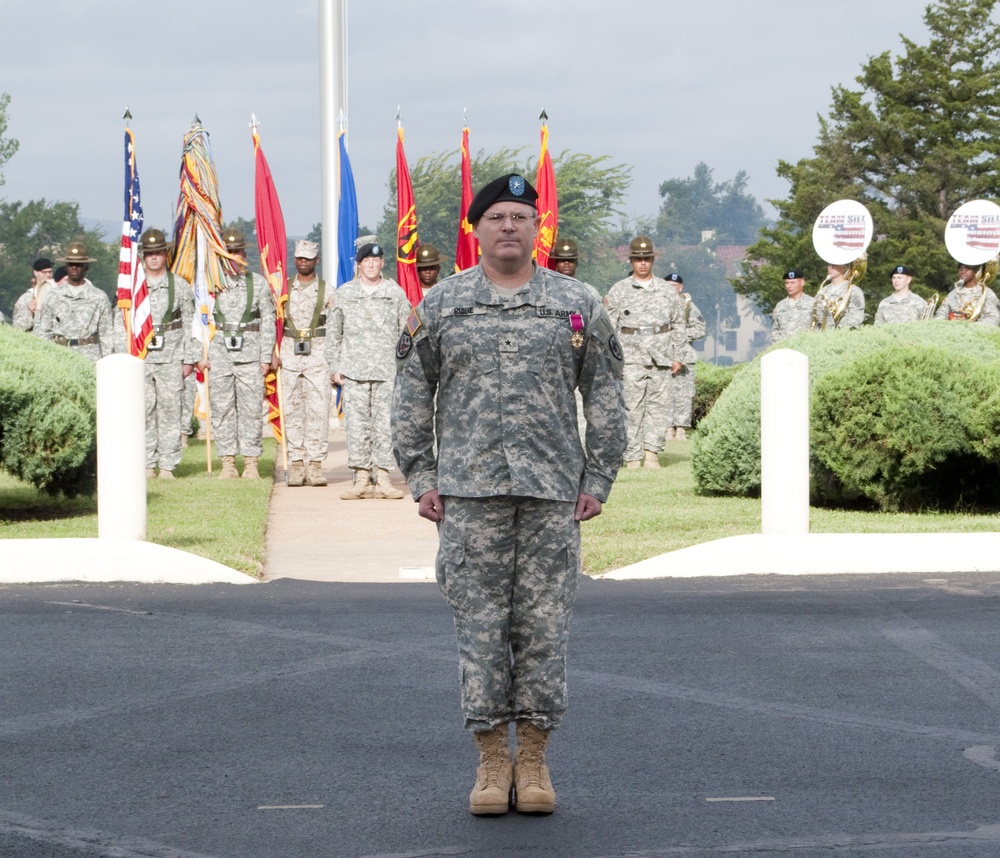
{"points": [[313, 535]]}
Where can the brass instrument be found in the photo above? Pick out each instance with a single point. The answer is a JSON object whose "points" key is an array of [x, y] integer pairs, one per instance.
{"points": [[826, 309], [820, 311], [930, 307], [986, 274]]}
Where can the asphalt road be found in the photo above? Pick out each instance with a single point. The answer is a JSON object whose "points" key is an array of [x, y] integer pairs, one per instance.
{"points": [[752, 716]]}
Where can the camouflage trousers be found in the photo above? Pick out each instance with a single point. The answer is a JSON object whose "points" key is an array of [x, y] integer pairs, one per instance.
{"points": [[306, 399], [509, 568], [164, 392], [366, 422], [647, 406], [681, 388], [236, 398], [187, 403]]}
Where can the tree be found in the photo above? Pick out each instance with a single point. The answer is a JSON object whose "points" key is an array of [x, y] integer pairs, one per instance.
{"points": [[919, 138], [591, 193], [37, 228], [8, 146], [697, 204]]}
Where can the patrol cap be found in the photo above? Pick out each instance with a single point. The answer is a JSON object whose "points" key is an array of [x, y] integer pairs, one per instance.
{"points": [[565, 249], [428, 256], [675, 278], [369, 249], [793, 274], [903, 269], [76, 252], [154, 241], [641, 247], [234, 240], [513, 188], [306, 249], [41, 264]]}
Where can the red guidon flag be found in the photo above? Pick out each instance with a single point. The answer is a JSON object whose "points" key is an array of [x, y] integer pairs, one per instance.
{"points": [[406, 228], [273, 244], [548, 204], [467, 248]]}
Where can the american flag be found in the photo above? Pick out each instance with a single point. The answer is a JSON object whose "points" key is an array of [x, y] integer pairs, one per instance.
{"points": [[133, 296]]}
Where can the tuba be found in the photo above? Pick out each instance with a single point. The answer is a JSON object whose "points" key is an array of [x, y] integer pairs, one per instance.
{"points": [[857, 270], [841, 236], [986, 274]]}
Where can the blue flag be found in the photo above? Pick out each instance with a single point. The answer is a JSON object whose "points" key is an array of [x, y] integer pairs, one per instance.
{"points": [[347, 217]]}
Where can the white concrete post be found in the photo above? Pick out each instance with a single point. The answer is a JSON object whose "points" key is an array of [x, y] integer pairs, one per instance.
{"points": [[784, 442], [121, 448]]}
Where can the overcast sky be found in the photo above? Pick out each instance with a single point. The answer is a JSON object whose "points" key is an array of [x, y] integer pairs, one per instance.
{"points": [[656, 84]]}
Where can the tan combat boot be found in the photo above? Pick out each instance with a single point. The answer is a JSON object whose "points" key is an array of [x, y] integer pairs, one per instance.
{"points": [[166, 474], [314, 476], [297, 474], [681, 434], [634, 463], [491, 794], [669, 436], [250, 471], [532, 787], [362, 487], [150, 473], [652, 460], [229, 471], [385, 489]]}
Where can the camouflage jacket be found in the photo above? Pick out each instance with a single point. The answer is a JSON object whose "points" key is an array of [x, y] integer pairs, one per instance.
{"points": [[23, 317], [791, 317], [897, 309], [258, 334], [636, 309], [299, 313], [73, 313], [484, 401], [363, 330], [963, 297], [854, 315], [177, 345]]}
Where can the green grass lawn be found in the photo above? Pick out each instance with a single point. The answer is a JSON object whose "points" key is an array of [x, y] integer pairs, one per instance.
{"points": [[223, 520], [649, 512]]}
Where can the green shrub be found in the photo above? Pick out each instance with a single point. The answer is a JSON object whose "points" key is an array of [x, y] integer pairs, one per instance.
{"points": [[709, 382], [727, 447], [48, 414]]}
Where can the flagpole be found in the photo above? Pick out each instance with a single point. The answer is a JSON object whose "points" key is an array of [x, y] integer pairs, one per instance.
{"points": [[332, 96]]}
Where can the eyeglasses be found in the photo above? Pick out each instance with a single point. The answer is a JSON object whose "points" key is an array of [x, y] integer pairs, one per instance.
{"points": [[517, 219]]}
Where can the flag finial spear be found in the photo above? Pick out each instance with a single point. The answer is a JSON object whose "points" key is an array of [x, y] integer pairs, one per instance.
{"points": [[543, 116], [128, 115], [399, 116], [253, 121]]}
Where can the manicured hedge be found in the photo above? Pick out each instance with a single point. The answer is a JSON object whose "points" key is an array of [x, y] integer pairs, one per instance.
{"points": [[48, 416], [709, 382], [902, 416]]}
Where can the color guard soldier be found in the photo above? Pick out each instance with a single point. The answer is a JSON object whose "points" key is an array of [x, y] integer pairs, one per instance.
{"points": [[681, 383], [428, 266]]}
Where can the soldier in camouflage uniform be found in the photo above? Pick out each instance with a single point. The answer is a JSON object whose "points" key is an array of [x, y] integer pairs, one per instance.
{"points": [[367, 317], [902, 305], [240, 357], [681, 384], [649, 318], [485, 431], [834, 291], [28, 308], [428, 266], [967, 297], [77, 314], [170, 355], [794, 313], [305, 375]]}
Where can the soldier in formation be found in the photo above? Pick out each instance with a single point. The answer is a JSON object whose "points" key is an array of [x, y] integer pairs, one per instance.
{"points": [[681, 383], [170, 356], [367, 317], [77, 314], [28, 308], [970, 301], [793, 314], [902, 305], [485, 431], [649, 319], [834, 292], [428, 266], [240, 357], [305, 376]]}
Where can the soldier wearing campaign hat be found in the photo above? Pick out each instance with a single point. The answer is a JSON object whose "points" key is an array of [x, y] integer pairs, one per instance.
{"points": [[485, 431], [428, 266], [902, 305], [28, 308], [77, 314], [565, 257], [794, 313], [240, 357], [681, 384], [649, 317], [305, 376], [366, 319], [171, 353]]}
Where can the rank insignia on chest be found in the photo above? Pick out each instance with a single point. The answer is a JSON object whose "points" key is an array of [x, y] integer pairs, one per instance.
{"points": [[576, 326]]}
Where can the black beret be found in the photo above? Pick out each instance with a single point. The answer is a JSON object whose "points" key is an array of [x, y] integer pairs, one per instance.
{"points": [[903, 269], [793, 274], [675, 278], [42, 264], [367, 250], [513, 187]]}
